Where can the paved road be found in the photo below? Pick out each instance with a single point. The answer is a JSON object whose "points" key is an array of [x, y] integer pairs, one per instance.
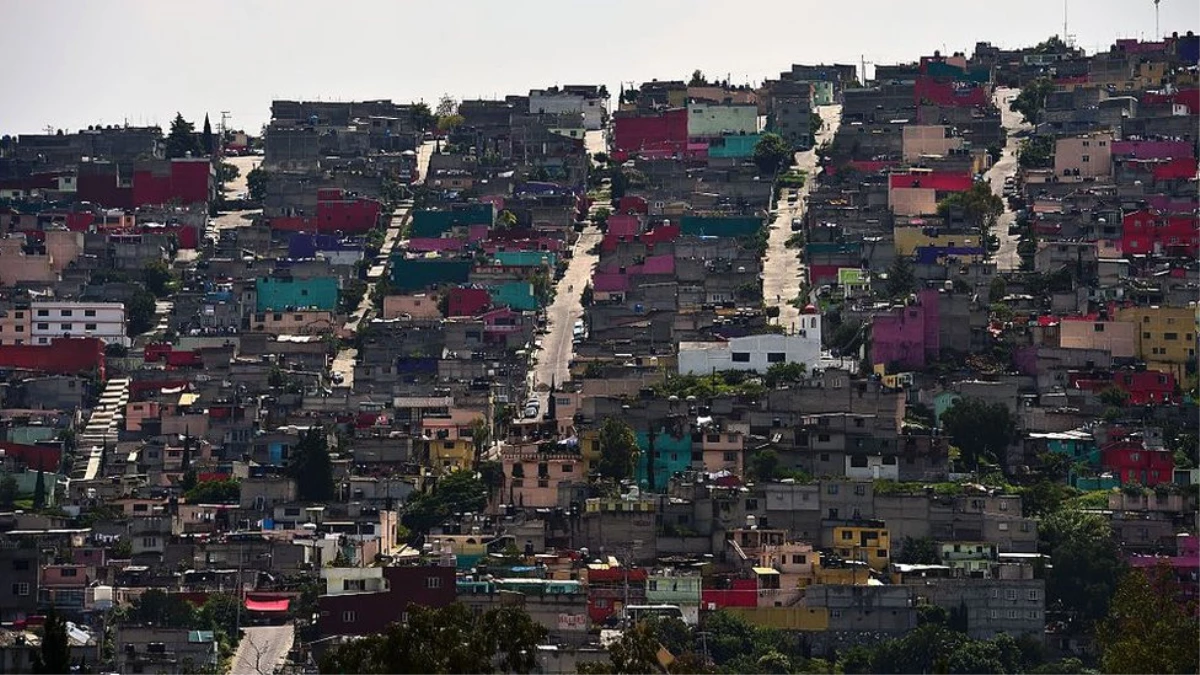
{"points": [[1006, 258], [245, 165], [782, 269], [343, 362], [262, 650], [553, 360]]}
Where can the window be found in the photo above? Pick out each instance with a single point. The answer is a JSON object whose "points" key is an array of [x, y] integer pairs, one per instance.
{"points": [[831, 489], [89, 326], [847, 535], [43, 312], [67, 312], [433, 582], [64, 326], [1033, 594], [1170, 336], [858, 462], [860, 490], [349, 616], [1032, 614], [741, 357], [835, 613], [825, 458], [730, 457], [995, 614], [568, 468], [148, 542], [19, 328], [354, 584], [799, 559], [89, 313], [776, 357], [43, 326], [68, 572], [1010, 594], [1087, 158], [20, 565], [1003, 527], [20, 588], [1099, 327], [1014, 614], [995, 593]]}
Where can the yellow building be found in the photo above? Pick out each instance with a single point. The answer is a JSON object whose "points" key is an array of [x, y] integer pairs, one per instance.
{"points": [[1165, 336], [869, 544], [811, 619], [909, 239], [446, 455]]}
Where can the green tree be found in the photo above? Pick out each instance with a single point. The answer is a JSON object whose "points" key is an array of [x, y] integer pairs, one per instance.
{"points": [[618, 184], [256, 183], [764, 464], [312, 468], [421, 116], [1032, 99], [214, 491], [979, 205], [998, 289], [636, 652], [206, 137], [1036, 152], [1149, 629], [981, 430], [158, 277], [1086, 566], [160, 608], [8, 491], [698, 79], [1114, 396], [481, 437], [784, 373], [54, 655], [772, 153], [449, 123], [227, 173], [39, 490], [499, 640], [920, 551], [182, 139], [140, 311], [462, 491], [618, 449], [901, 279]]}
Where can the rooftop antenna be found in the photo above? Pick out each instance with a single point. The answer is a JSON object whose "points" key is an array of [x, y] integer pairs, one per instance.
{"points": [[1068, 39], [1157, 33], [865, 63]]}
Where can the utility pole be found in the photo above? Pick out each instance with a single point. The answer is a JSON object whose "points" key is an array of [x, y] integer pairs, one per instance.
{"points": [[1157, 32]]}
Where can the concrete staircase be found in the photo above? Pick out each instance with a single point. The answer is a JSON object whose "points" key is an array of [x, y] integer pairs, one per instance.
{"points": [[103, 426]]}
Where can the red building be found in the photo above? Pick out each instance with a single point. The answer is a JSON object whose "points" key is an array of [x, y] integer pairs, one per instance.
{"points": [[1131, 462], [468, 301], [667, 130], [371, 612], [609, 588], [1147, 232], [1144, 387], [930, 90], [63, 356], [44, 457], [185, 180], [337, 211], [730, 593]]}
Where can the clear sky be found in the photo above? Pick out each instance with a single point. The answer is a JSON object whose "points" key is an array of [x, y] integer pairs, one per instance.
{"points": [[70, 63]]}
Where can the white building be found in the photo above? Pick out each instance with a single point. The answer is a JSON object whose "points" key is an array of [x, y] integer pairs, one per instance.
{"points": [[754, 352], [60, 318], [554, 101]]}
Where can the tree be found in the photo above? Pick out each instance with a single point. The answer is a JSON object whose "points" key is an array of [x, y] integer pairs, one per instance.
{"points": [[979, 206], [462, 491], [772, 153], [480, 437], [421, 116], [140, 311], [1114, 396], [446, 106], [39, 490], [163, 609], [256, 183], [698, 79], [901, 279], [448, 123], [227, 172], [618, 184], [312, 468], [450, 639], [54, 655], [206, 137], [212, 491], [764, 464], [1032, 99], [998, 289], [784, 373], [158, 277], [981, 430], [618, 449], [1149, 629], [9, 491], [635, 653], [182, 139], [922, 551], [1086, 566]]}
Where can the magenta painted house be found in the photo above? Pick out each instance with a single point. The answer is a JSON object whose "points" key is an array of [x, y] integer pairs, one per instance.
{"points": [[907, 336]]}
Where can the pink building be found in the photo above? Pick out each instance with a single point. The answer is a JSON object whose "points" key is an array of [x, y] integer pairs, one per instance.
{"points": [[907, 336]]}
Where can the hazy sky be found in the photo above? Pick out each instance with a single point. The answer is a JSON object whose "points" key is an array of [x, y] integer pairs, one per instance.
{"points": [[70, 63]]}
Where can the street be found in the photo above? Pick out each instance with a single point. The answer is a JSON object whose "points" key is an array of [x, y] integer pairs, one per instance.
{"points": [[782, 269], [1006, 257], [554, 358], [343, 362], [262, 650]]}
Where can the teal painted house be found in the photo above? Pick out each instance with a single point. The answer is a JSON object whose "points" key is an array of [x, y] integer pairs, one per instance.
{"points": [[734, 146], [671, 455], [526, 258], [1081, 448], [720, 226], [437, 223], [943, 402], [280, 293], [515, 294], [415, 274]]}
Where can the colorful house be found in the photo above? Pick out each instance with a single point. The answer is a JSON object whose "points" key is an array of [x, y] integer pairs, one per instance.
{"points": [[664, 458], [1146, 232], [869, 543], [1166, 337], [907, 336], [415, 274], [282, 293], [1132, 462]]}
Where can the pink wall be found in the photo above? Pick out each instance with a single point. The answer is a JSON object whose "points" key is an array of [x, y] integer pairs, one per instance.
{"points": [[907, 336]]}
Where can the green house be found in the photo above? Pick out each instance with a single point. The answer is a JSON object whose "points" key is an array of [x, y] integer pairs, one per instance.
{"points": [[415, 274], [280, 293], [671, 455], [437, 223], [515, 294]]}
